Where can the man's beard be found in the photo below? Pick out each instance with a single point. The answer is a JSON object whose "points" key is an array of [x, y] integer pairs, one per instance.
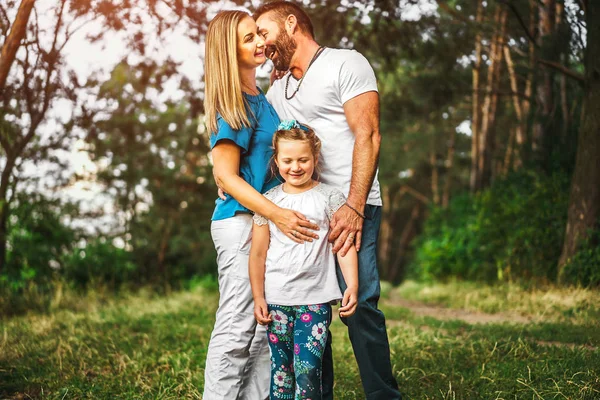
{"points": [[285, 47]]}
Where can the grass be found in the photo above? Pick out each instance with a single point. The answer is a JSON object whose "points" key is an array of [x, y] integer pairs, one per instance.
{"points": [[145, 346]]}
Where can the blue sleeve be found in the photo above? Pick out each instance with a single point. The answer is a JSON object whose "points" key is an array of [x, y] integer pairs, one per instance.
{"points": [[240, 137]]}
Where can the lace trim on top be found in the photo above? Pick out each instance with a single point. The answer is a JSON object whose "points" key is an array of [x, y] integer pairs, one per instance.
{"points": [[259, 219]]}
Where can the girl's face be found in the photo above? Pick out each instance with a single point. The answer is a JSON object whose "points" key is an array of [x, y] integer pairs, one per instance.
{"points": [[296, 162], [250, 45]]}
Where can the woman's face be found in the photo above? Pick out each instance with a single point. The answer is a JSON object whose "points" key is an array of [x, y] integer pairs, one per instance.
{"points": [[250, 46]]}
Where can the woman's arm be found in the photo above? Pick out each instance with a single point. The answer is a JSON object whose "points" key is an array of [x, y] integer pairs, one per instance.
{"points": [[226, 160], [349, 267], [256, 271]]}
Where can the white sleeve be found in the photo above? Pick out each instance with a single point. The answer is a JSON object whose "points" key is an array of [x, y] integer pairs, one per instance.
{"points": [[356, 76], [335, 201], [259, 219]]}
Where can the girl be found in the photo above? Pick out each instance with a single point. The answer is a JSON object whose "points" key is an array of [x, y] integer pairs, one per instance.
{"points": [[294, 285], [241, 124]]}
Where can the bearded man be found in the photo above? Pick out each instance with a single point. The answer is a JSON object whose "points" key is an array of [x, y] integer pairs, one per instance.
{"points": [[335, 92]]}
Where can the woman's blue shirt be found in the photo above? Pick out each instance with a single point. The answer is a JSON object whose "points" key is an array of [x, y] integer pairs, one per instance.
{"points": [[256, 151]]}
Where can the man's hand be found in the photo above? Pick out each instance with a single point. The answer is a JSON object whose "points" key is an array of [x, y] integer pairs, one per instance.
{"points": [[349, 302], [295, 226], [261, 312], [346, 230]]}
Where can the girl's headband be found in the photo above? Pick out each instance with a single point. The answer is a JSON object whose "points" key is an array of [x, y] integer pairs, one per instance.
{"points": [[290, 124]]}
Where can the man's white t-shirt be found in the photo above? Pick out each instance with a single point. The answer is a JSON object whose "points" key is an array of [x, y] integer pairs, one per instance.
{"points": [[335, 77]]}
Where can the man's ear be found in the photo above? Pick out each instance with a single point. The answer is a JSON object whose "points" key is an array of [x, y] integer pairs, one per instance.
{"points": [[291, 23]]}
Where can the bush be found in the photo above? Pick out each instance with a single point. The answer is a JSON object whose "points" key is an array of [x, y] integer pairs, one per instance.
{"points": [[512, 230], [584, 267]]}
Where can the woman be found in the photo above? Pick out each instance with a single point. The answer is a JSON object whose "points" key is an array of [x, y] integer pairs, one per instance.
{"points": [[241, 124]]}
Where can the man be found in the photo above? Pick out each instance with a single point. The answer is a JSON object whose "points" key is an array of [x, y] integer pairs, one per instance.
{"points": [[335, 92]]}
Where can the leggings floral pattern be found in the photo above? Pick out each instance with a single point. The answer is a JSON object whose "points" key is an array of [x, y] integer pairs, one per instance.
{"points": [[297, 338]]}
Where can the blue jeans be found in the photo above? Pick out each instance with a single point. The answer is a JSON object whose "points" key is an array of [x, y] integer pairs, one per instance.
{"points": [[366, 327], [297, 338]]}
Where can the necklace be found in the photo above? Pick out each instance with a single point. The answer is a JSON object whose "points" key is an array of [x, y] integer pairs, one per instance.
{"points": [[252, 91], [301, 79]]}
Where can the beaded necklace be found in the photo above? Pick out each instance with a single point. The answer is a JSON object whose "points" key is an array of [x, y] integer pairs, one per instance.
{"points": [[301, 79]]}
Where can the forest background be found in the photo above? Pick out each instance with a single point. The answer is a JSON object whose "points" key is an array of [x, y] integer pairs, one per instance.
{"points": [[490, 162]]}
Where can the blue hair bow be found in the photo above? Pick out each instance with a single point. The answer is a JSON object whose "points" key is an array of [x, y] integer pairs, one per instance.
{"points": [[290, 124]]}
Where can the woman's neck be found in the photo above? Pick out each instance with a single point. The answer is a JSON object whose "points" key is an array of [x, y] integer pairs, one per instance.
{"points": [[248, 80]]}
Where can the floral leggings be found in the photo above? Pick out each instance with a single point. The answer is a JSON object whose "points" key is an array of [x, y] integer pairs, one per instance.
{"points": [[297, 338]]}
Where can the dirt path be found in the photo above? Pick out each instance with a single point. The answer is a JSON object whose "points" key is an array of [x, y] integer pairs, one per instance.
{"points": [[445, 314], [470, 317]]}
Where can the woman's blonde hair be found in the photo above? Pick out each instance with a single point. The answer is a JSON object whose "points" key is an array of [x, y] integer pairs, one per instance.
{"points": [[223, 86]]}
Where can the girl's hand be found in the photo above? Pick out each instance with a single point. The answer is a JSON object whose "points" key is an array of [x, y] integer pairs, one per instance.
{"points": [[349, 302], [261, 312], [295, 226]]}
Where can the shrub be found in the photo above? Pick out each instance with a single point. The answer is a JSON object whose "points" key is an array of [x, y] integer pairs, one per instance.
{"points": [[511, 230], [584, 267]]}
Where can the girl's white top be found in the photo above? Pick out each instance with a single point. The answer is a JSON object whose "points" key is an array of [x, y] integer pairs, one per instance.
{"points": [[301, 274]]}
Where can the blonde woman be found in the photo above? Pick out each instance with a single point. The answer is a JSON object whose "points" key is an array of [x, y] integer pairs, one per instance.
{"points": [[241, 124]]}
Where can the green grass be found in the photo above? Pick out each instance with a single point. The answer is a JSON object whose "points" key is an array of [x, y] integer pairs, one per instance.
{"points": [[145, 346]]}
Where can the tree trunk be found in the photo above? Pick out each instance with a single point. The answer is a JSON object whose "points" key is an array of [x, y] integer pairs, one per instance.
{"points": [[13, 41], [449, 167], [386, 229], [488, 119], [514, 152], [544, 94], [476, 110], [408, 233], [510, 150], [435, 185], [584, 202]]}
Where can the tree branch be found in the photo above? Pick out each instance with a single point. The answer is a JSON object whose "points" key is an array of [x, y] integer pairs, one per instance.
{"points": [[514, 10], [561, 68]]}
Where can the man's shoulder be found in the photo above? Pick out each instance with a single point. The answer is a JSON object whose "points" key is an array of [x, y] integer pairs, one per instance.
{"points": [[342, 55]]}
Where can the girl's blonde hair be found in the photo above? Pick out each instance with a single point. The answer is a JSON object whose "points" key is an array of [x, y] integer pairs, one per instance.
{"points": [[302, 133], [223, 86]]}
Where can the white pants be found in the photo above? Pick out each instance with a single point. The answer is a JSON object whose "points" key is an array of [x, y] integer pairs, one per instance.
{"points": [[238, 360]]}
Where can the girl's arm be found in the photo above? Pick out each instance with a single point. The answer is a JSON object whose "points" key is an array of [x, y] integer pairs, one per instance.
{"points": [[226, 161], [256, 271], [349, 267]]}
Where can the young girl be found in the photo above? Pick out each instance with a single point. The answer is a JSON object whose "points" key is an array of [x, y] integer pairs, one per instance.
{"points": [[293, 284]]}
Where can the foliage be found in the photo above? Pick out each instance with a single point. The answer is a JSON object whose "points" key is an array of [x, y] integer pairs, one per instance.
{"points": [[37, 240], [584, 267], [513, 230]]}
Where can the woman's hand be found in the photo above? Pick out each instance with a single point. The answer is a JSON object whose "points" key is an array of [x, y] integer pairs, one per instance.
{"points": [[261, 312], [295, 226], [349, 302]]}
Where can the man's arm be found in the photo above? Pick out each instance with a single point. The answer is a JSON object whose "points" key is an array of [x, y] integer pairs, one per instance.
{"points": [[362, 114]]}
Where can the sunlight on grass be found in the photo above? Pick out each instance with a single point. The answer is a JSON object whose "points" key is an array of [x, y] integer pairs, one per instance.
{"points": [[144, 346], [549, 303]]}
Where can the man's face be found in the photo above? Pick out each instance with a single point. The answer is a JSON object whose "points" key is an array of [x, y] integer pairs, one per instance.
{"points": [[279, 46]]}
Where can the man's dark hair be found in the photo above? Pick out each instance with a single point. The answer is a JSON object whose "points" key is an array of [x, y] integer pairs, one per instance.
{"points": [[281, 10]]}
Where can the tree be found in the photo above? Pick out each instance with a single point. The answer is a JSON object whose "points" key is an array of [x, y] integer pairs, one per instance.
{"points": [[584, 202], [14, 39]]}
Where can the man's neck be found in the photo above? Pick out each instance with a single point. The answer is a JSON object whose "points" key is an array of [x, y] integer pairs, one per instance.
{"points": [[305, 51]]}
